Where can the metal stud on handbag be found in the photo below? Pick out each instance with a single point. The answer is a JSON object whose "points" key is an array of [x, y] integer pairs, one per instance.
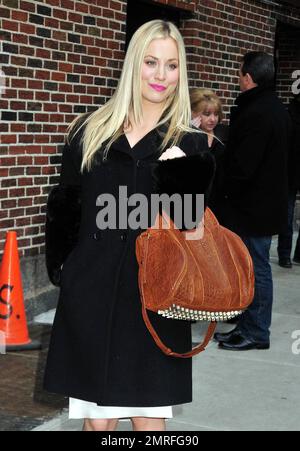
{"points": [[210, 278]]}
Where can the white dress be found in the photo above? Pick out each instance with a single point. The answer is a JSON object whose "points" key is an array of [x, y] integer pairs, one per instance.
{"points": [[79, 409]]}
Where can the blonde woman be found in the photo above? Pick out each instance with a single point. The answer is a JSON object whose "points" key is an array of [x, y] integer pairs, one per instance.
{"points": [[207, 113], [101, 355]]}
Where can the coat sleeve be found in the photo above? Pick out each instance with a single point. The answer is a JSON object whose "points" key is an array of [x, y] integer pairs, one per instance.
{"points": [[63, 212], [192, 174]]}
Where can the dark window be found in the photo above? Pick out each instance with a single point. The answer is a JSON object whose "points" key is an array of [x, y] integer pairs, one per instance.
{"points": [[141, 11]]}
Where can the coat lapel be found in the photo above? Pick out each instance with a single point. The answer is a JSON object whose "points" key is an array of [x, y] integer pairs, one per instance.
{"points": [[147, 147]]}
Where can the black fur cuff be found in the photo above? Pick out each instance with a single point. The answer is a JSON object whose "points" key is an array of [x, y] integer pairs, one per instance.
{"points": [[62, 227], [187, 175]]}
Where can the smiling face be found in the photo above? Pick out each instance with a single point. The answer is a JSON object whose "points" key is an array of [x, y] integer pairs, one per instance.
{"points": [[160, 71]]}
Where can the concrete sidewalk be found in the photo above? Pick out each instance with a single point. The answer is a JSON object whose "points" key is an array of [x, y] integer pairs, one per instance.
{"points": [[253, 390]]}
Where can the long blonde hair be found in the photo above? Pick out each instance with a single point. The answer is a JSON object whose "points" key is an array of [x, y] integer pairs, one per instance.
{"points": [[105, 125]]}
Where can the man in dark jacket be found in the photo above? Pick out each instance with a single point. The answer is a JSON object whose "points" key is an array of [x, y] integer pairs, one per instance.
{"points": [[256, 190], [285, 239]]}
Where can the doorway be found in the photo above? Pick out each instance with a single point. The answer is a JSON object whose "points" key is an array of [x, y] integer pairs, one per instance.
{"points": [[142, 11], [287, 58]]}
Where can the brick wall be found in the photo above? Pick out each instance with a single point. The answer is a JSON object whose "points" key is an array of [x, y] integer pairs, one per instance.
{"points": [[222, 31], [63, 57], [60, 58]]}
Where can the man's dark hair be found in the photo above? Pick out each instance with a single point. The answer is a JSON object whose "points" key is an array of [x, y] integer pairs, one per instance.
{"points": [[260, 66]]}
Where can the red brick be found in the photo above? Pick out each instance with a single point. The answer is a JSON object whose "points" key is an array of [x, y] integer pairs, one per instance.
{"points": [[58, 76], [31, 231], [27, 6], [20, 38], [43, 54], [26, 202], [52, 2], [17, 212], [53, 23], [72, 17], [35, 84], [50, 107], [3, 173], [67, 4], [22, 242], [8, 139], [17, 192], [27, 28], [33, 191], [72, 58], [81, 7], [45, 96], [19, 16], [65, 67], [5, 12], [29, 95], [10, 25], [16, 172], [6, 224], [18, 128], [96, 11]]}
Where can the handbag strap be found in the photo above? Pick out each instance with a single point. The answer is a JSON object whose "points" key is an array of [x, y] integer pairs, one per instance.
{"points": [[196, 350]]}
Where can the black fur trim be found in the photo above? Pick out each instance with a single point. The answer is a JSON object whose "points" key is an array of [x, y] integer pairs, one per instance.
{"points": [[62, 227], [187, 175]]}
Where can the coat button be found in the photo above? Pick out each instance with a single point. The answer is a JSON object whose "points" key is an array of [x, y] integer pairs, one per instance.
{"points": [[124, 236], [138, 163], [97, 236]]}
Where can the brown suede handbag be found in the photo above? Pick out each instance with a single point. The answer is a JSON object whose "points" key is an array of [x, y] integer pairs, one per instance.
{"points": [[207, 276]]}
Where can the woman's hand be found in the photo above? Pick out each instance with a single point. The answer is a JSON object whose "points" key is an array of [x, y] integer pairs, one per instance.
{"points": [[196, 122], [172, 152]]}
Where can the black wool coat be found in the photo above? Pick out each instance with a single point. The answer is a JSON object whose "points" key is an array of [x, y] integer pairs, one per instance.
{"points": [[255, 190], [100, 349]]}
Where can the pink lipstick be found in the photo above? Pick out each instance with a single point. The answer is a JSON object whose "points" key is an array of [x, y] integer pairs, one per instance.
{"points": [[158, 88]]}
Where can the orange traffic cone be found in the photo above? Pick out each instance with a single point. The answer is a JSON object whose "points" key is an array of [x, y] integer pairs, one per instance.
{"points": [[12, 311]]}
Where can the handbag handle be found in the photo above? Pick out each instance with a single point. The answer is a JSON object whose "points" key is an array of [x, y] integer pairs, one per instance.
{"points": [[196, 350]]}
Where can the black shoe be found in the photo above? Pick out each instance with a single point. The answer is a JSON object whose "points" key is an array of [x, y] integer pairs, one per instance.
{"points": [[285, 263], [296, 260], [240, 343], [224, 338]]}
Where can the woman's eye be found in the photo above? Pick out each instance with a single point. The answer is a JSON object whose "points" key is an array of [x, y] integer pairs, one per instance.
{"points": [[173, 66], [150, 63]]}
